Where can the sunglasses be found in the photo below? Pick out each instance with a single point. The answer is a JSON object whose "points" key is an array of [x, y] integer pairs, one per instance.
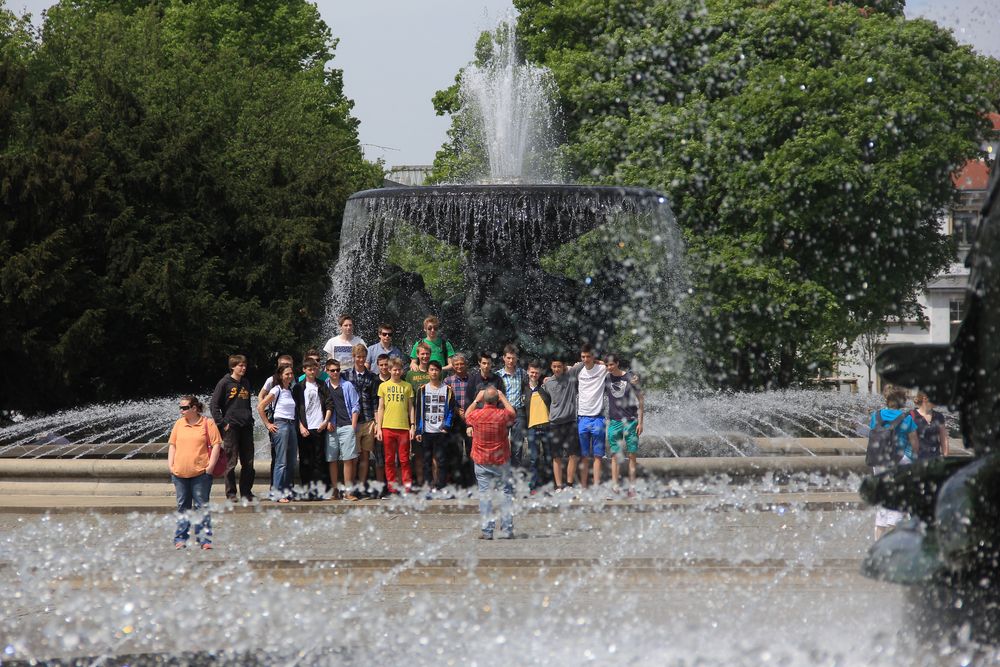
{"points": [[333, 370], [184, 408]]}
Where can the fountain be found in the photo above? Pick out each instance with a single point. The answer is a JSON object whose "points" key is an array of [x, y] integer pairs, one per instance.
{"points": [[542, 265], [726, 575]]}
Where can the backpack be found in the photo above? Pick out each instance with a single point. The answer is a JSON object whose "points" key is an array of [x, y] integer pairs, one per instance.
{"points": [[222, 463], [882, 441], [269, 410]]}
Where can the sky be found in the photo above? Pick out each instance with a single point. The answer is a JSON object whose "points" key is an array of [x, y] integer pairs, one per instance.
{"points": [[396, 53]]}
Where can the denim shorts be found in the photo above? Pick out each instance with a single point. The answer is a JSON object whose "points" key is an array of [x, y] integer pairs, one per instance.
{"points": [[591, 432], [341, 445]]}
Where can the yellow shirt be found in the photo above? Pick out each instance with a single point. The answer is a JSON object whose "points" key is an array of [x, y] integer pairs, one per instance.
{"points": [[538, 412], [396, 400], [191, 446]]}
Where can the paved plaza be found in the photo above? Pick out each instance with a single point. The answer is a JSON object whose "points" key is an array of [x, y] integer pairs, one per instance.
{"points": [[730, 577]]}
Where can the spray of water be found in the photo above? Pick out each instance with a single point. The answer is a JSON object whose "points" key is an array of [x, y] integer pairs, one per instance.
{"points": [[511, 111]]}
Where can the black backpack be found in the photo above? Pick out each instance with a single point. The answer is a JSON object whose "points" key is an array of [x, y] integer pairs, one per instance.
{"points": [[882, 441]]}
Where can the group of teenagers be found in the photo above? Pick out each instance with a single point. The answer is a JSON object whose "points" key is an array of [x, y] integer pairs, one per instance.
{"points": [[423, 422]]}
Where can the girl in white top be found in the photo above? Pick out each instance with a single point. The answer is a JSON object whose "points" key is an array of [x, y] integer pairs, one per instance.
{"points": [[281, 427]]}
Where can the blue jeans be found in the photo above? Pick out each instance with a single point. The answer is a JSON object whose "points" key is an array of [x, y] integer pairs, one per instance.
{"points": [[517, 434], [286, 454], [193, 491], [489, 479], [539, 455]]}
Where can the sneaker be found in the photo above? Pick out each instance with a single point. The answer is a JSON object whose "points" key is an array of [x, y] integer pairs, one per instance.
{"points": [[180, 545], [631, 493], [486, 536], [508, 535], [207, 546], [350, 496]]}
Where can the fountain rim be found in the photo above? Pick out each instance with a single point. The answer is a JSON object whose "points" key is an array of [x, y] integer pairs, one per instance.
{"points": [[512, 189]]}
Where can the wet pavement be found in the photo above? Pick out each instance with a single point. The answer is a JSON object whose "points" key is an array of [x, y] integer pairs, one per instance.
{"points": [[728, 578]]}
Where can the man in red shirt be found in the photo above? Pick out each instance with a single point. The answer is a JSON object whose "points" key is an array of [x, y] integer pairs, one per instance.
{"points": [[491, 455]]}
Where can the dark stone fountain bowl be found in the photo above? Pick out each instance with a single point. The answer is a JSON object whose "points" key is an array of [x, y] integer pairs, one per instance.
{"points": [[543, 266]]}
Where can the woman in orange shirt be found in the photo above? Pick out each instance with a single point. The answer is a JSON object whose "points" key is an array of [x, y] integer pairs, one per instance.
{"points": [[195, 444]]}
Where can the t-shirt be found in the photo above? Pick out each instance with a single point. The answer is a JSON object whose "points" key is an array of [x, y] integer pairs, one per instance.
{"points": [[314, 406], [191, 452], [284, 406], [905, 427], [342, 349], [538, 411], [562, 391], [929, 434], [375, 351], [322, 376], [434, 405], [436, 352], [418, 379], [623, 396], [590, 383], [396, 400], [490, 444], [341, 414]]}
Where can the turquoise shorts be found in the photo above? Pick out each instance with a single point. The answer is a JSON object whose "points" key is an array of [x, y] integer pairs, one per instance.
{"points": [[618, 431]]}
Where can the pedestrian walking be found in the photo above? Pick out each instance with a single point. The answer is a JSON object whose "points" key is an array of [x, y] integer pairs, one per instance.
{"points": [[195, 444]]}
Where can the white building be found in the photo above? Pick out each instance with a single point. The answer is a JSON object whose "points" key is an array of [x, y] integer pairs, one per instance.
{"points": [[942, 301]]}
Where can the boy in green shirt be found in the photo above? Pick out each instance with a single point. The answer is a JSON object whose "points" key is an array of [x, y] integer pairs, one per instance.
{"points": [[417, 379], [441, 349]]}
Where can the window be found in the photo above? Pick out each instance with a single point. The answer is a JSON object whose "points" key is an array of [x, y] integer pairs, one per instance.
{"points": [[956, 311], [964, 226]]}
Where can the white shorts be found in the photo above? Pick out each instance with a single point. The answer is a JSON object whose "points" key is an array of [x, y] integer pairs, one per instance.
{"points": [[886, 518]]}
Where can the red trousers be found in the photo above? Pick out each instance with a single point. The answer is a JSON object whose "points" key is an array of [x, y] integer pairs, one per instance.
{"points": [[396, 443]]}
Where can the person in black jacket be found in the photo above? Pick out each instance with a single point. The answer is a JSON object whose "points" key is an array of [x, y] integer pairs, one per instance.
{"points": [[230, 408], [314, 409], [486, 377]]}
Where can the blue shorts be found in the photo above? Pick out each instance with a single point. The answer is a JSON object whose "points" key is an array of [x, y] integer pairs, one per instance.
{"points": [[591, 431]]}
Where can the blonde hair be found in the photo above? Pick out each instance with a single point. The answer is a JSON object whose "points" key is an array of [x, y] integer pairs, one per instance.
{"points": [[895, 397], [431, 319]]}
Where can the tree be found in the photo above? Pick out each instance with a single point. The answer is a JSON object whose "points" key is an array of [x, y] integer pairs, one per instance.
{"points": [[806, 148], [868, 344], [173, 178]]}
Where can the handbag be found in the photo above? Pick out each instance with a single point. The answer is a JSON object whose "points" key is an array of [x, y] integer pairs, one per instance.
{"points": [[222, 463]]}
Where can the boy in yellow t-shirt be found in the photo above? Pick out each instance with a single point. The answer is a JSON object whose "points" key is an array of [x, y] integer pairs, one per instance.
{"points": [[539, 436], [395, 425]]}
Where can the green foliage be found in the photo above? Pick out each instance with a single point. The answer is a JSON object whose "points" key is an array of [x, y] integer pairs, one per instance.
{"points": [[173, 177], [438, 264], [807, 148]]}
